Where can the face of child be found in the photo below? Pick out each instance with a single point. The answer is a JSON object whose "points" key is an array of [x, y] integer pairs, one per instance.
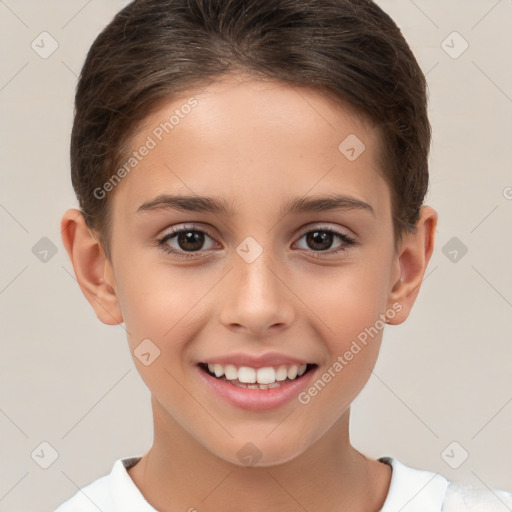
{"points": [[258, 285]]}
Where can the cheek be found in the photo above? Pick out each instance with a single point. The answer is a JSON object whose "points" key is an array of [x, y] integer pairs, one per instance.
{"points": [[352, 332], [348, 300], [157, 300], [157, 305]]}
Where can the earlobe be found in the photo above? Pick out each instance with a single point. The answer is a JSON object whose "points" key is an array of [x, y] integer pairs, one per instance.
{"points": [[89, 264], [411, 262]]}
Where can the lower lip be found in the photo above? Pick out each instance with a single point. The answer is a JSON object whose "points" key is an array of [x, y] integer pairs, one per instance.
{"points": [[256, 399]]}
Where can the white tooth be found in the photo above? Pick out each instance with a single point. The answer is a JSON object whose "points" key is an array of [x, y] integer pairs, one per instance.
{"points": [[301, 370], [274, 385], [253, 386], [265, 375], [292, 372], [247, 375], [281, 373], [218, 370], [231, 372]]}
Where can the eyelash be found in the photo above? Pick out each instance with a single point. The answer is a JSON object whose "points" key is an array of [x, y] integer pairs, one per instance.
{"points": [[162, 245]]}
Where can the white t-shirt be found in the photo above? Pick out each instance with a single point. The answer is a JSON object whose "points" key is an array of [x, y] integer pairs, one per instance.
{"points": [[411, 490]]}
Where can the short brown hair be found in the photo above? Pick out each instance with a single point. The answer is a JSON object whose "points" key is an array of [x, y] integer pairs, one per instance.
{"points": [[155, 49]]}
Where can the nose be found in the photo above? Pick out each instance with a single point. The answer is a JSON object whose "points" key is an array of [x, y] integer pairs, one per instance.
{"points": [[257, 298]]}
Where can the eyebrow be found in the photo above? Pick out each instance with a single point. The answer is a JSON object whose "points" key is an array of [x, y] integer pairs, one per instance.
{"points": [[222, 207]]}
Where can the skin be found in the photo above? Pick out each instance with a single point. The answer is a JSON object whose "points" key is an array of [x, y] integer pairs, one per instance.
{"points": [[256, 145]]}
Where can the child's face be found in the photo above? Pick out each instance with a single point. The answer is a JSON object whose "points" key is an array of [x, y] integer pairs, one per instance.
{"points": [[255, 147]]}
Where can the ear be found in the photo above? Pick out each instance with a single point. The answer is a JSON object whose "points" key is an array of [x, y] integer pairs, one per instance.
{"points": [[411, 261], [93, 271]]}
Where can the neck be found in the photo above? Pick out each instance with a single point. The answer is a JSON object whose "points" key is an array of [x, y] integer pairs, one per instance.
{"points": [[178, 474]]}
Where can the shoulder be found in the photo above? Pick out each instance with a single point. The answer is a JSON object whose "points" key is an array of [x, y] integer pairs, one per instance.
{"points": [[413, 490], [462, 497], [109, 493], [91, 498], [417, 490]]}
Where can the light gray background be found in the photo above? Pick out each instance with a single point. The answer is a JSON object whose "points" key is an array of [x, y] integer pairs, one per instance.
{"points": [[443, 376]]}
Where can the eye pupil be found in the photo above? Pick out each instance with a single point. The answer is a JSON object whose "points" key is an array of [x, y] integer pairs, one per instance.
{"points": [[196, 238], [320, 237]]}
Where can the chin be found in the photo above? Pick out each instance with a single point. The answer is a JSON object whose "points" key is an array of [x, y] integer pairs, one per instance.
{"points": [[261, 451]]}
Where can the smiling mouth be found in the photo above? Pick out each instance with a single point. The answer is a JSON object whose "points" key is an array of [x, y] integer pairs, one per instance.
{"points": [[268, 377]]}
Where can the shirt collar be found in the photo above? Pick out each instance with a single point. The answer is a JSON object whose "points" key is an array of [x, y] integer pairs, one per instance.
{"points": [[126, 494], [413, 489], [409, 490]]}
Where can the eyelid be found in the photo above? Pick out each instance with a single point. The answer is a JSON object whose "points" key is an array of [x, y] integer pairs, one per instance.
{"points": [[319, 226], [304, 230], [184, 228]]}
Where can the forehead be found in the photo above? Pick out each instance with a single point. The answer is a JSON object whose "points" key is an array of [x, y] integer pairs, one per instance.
{"points": [[253, 140]]}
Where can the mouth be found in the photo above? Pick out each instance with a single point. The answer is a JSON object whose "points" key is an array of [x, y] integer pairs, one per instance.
{"points": [[257, 389], [267, 377]]}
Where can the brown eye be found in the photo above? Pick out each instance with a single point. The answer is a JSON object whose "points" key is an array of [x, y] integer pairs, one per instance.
{"points": [[186, 240], [190, 240], [322, 239], [319, 240]]}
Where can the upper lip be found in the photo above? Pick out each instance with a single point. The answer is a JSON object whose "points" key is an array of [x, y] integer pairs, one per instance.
{"points": [[256, 361]]}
